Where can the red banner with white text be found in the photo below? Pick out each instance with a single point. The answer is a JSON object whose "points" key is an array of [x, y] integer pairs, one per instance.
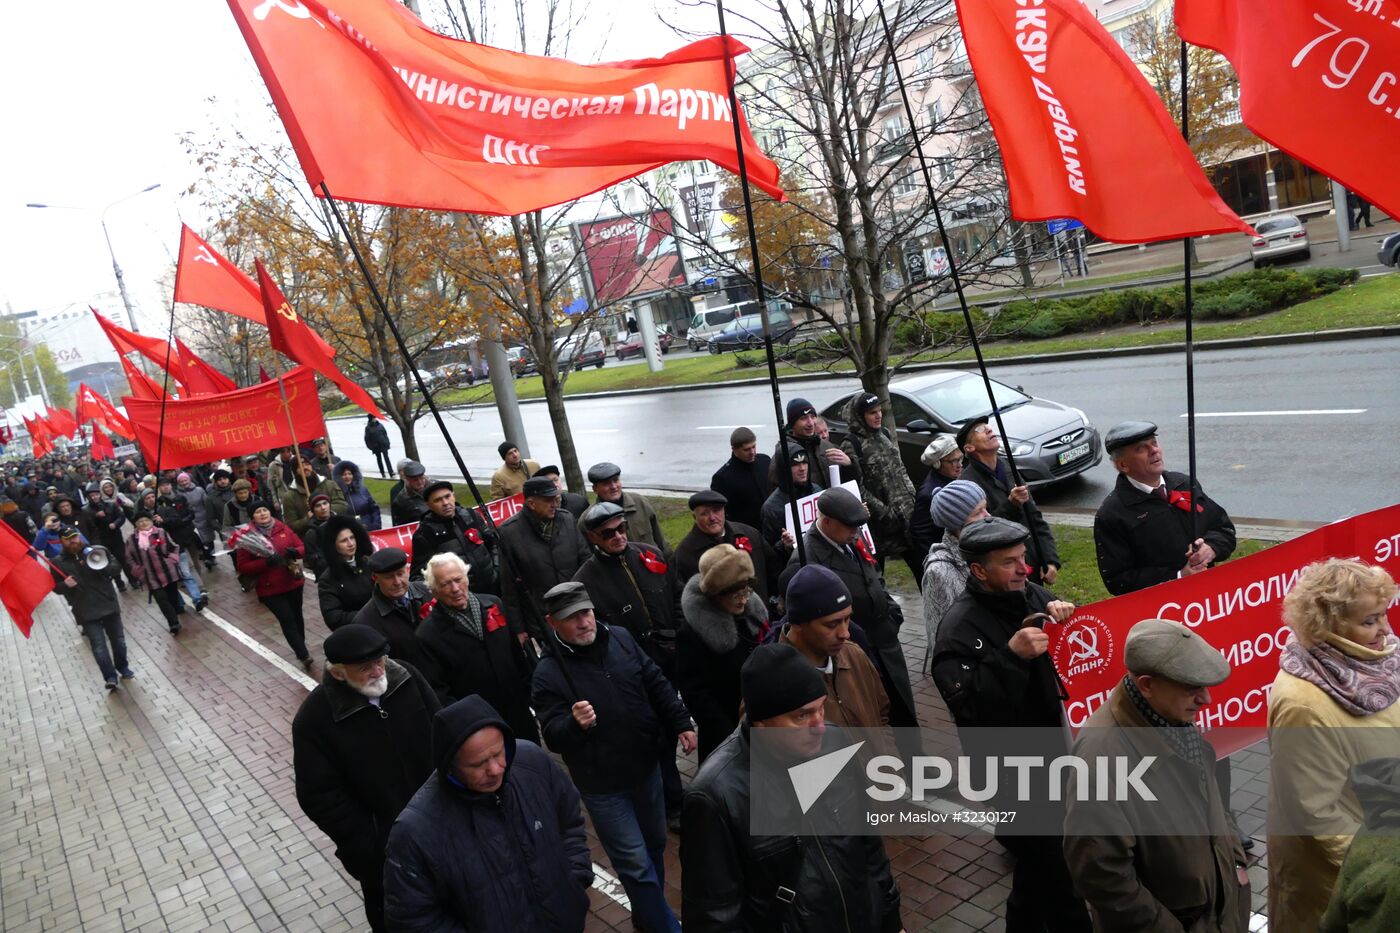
{"points": [[401, 536], [1237, 607]]}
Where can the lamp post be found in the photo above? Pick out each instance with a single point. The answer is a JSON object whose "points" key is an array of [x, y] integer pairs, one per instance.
{"points": [[38, 371], [23, 374]]}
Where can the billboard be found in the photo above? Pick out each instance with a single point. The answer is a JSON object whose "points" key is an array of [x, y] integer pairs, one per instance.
{"points": [[629, 257]]}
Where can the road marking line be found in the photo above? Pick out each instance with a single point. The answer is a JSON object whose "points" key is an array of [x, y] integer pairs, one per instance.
{"points": [[260, 649], [1293, 411], [610, 886]]}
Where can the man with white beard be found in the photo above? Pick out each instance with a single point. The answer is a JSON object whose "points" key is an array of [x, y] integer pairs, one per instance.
{"points": [[362, 747]]}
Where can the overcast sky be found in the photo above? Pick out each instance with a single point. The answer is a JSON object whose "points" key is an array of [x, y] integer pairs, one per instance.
{"points": [[97, 93]]}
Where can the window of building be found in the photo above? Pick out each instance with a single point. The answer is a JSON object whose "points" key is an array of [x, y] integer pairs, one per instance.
{"points": [[925, 58], [944, 166], [935, 113], [895, 128]]}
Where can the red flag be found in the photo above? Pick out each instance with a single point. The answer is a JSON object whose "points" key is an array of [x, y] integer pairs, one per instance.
{"points": [[142, 386], [262, 374], [1081, 132], [289, 334], [129, 341], [42, 444], [384, 110], [212, 427], [198, 376], [63, 422], [24, 582], [93, 408], [101, 446], [1316, 77]]}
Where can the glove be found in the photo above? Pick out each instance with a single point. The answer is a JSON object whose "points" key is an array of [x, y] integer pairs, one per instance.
{"points": [[275, 560], [290, 554]]}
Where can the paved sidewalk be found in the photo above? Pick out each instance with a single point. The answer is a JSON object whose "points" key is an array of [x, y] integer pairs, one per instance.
{"points": [[170, 806]]}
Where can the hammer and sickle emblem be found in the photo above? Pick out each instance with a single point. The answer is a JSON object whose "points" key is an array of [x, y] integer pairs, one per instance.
{"points": [[1085, 642], [285, 310], [203, 255], [290, 7]]}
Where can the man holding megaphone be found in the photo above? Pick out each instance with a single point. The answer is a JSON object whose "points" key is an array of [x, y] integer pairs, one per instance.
{"points": [[86, 577]]}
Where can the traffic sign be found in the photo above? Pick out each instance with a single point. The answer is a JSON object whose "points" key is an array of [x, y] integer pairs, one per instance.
{"points": [[1060, 226]]}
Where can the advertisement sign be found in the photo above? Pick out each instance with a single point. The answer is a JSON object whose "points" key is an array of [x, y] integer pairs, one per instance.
{"points": [[631, 257]]}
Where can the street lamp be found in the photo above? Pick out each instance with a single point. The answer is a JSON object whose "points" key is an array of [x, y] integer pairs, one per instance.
{"points": [[102, 218], [24, 374]]}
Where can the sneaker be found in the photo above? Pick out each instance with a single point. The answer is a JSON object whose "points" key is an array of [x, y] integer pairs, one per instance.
{"points": [[111, 686], [127, 673], [202, 602]]}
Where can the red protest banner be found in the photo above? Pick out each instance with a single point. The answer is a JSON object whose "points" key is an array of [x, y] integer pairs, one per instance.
{"points": [[1237, 607], [212, 427], [401, 536]]}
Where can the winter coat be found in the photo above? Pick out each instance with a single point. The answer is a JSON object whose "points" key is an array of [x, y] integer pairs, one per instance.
{"points": [[855, 698], [1313, 743], [407, 507], [746, 486], [359, 501], [509, 480], [22, 524], [924, 532], [730, 879], [177, 520], [216, 502], [766, 559], [296, 504], [945, 578], [1170, 865], [1140, 540], [996, 484], [512, 861], [95, 596], [817, 471], [642, 524], [493, 667], [198, 501], [711, 647], [315, 560], [327, 466], [103, 514], [356, 767], [637, 590], [1366, 898], [885, 484], [399, 624], [241, 513], [468, 536], [157, 564], [344, 588], [532, 565], [272, 574], [639, 713], [376, 436], [776, 511]]}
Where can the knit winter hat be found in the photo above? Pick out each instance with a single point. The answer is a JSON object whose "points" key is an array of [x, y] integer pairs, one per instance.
{"points": [[722, 567], [815, 591], [953, 503], [776, 679]]}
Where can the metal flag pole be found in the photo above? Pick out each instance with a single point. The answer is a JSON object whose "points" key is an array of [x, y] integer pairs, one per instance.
{"points": [[403, 352], [1030, 508], [1190, 337], [785, 463], [292, 431], [165, 387]]}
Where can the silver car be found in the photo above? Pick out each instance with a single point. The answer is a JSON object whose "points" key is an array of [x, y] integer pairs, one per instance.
{"points": [[1279, 236], [1050, 441]]}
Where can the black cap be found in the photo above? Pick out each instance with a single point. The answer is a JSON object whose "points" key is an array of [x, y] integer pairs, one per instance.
{"points": [[990, 534], [796, 453], [866, 401], [319, 440], [387, 560], [435, 486], [1127, 432], [798, 407], [355, 644], [506, 447], [566, 599], [706, 497], [602, 472], [841, 505], [413, 468], [776, 679], [541, 486], [966, 429], [595, 516], [548, 469]]}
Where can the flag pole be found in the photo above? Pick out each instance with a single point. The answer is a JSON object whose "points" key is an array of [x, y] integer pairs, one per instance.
{"points": [[403, 352], [165, 389], [1190, 337], [785, 464], [1030, 508], [292, 430]]}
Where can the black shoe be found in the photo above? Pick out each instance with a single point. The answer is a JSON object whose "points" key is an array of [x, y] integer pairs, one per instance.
{"points": [[127, 673], [175, 629], [202, 602], [673, 823], [306, 662], [208, 565], [121, 587], [111, 686]]}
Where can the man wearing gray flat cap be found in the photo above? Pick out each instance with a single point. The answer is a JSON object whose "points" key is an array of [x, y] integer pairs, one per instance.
{"points": [[642, 523], [1175, 862], [1142, 531]]}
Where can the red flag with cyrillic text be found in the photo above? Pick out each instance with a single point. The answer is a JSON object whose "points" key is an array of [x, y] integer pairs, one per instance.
{"points": [[24, 582], [382, 109], [1081, 132], [93, 408], [1317, 79]]}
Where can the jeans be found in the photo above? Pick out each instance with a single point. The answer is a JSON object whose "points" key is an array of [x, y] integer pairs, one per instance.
{"points": [[632, 829], [286, 607], [187, 575], [98, 632]]}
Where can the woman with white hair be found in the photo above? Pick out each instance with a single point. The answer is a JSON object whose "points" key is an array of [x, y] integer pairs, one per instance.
{"points": [[1333, 705]]}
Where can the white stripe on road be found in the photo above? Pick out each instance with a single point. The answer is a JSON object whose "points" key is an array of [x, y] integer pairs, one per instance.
{"points": [[1291, 411], [610, 886]]}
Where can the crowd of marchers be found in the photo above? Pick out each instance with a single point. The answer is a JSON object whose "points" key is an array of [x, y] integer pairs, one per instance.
{"points": [[575, 628]]}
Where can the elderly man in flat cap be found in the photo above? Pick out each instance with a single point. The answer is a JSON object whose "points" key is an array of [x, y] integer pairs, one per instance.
{"points": [[396, 606], [713, 527], [409, 504], [361, 748], [448, 528], [1173, 863], [540, 547], [1142, 532], [642, 524], [945, 463]]}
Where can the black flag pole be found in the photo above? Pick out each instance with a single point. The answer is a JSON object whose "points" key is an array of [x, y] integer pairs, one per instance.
{"points": [[403, 352], [165, 387], [1190, 337], [784, 463], [1030, 509]]}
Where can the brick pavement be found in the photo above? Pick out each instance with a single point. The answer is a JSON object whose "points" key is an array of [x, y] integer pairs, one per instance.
{"points": [[170, 805]]}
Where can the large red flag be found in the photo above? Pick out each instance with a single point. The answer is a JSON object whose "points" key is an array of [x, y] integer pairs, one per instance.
{"points": [[289, 334], [198, 376], [93, 408], [101, 446], [1317, 79], [129, 341], [384, 110], [142, 386], [1081, 132], [37, 427], [24, 582], [62, 421]]}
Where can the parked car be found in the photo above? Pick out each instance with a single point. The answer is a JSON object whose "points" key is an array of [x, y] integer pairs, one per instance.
{"points": [[1389, 254], [631, 345], [1051, 442], [452, 375], [580, 350], [747, 332], [707, 323], [522, 361], [1279, 236]]}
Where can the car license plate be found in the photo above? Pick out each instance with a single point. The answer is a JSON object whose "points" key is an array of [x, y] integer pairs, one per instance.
{"points": [[1074, 453]]}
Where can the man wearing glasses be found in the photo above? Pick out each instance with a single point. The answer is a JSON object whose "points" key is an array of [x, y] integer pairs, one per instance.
{"points": [[945, 462]]}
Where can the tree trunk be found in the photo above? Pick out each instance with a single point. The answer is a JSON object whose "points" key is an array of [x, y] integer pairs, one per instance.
{"points": [[1020, 239]]}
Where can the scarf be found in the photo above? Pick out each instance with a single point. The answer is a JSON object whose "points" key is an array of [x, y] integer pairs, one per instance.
{"points": [[468, 618], [1358, 679], [265, 529], [143, 538], [1183, 738]]}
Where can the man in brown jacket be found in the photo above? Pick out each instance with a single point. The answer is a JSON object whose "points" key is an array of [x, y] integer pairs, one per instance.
{"points": [[1174, 863]]}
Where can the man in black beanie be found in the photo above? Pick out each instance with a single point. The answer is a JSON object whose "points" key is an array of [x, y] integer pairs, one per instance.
{"points": [[731, 880]]}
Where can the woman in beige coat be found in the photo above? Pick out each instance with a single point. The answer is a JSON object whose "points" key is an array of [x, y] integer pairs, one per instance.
{"points": [[1333, 705]]}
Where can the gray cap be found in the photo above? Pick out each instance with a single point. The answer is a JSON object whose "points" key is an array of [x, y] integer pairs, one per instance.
{"points": [[1127, 432], [940, 447], [398, 467], [567, 598], [991, 534], [1170, 649], [841, 505], [413, 468], [596, 516], [541, 486], [601, 472], [706, 497]]}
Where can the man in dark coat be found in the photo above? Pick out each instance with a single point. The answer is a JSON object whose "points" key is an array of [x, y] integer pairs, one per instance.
{"points": [[361, 748], [95, 604], [396, 606], [494, 842], [377, 440], [108, 519], [1142, 531], [447, 528], [821, 454], [642, 523], [991, 665], [470, 648], [712, 528], [409, 505], [321, 457], [575, 502], [979, 443], [540, 547], [743, 480], [608, 710], [777, 508]]}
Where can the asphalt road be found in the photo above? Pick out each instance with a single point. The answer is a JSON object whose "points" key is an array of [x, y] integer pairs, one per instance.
{"points": [[1278, 460]]}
